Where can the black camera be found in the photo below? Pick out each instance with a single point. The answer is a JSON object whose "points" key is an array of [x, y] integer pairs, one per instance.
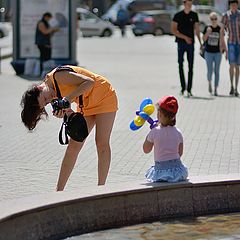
{"points": [[59, 104]]}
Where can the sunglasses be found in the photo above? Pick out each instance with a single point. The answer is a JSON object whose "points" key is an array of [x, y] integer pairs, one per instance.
{"points": [[213, 19]]}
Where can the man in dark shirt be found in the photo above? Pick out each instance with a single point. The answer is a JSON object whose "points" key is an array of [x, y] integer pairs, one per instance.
{"points": [[184, 25]]}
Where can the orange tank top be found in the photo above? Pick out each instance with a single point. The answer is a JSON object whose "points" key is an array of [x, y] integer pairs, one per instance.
{"points": [[66, 89]]}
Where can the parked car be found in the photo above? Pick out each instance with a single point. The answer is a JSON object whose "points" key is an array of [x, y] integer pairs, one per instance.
{"points": [[4, 29], [156, 22], [203, 14], [91, 25]]}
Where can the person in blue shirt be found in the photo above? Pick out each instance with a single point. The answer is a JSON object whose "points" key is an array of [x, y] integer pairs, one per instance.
{"points": [[122, 20]]}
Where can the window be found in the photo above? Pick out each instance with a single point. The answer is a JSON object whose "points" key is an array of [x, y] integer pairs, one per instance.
{"points": [[90, 17]]}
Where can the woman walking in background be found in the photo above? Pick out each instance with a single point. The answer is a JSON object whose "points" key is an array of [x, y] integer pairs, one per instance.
{"points": [[213, 38]]}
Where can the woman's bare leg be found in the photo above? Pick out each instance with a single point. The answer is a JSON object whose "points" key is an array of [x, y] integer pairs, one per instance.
{"points": [[70, 157], [104, 124]]}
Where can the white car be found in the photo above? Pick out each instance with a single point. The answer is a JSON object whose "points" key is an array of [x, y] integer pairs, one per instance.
{"points": [[5, 28], [203, 14], [91, 25]]}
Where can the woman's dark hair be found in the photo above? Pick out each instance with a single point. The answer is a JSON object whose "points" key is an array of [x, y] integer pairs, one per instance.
{"points": [[171, 117], [31, 112], [47, 14]]}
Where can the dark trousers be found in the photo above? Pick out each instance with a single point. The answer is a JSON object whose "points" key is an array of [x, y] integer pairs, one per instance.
{"points": [[122, 27], [45, 55], [189, 49]]}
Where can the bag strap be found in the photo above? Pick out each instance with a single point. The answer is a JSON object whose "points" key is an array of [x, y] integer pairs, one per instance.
{"points": [[58, 69], [60, 137], [64, 68], [81, 104], [63, 126]]}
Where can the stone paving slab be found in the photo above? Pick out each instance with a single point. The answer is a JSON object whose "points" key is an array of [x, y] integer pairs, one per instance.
{"points": [[138, 68]]}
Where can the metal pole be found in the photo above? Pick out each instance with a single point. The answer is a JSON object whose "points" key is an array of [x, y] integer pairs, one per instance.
{"points": [[0, 59]]}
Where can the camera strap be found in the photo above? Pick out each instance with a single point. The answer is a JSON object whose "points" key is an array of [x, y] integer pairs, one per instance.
{"points": [[81, 104], [65, 118], [60, 137], [58, 69], [65, 68]]}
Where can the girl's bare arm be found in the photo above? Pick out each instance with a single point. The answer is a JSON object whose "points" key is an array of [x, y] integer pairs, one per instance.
{"points": [[147, 146]]}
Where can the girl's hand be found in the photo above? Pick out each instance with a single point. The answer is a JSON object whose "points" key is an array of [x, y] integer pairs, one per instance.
{"points": [[209, 30], [226, 54], [224, 51], [201, 47]]}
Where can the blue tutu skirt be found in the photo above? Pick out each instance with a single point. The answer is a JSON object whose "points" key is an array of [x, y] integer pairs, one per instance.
{"points": [[167, 171]]}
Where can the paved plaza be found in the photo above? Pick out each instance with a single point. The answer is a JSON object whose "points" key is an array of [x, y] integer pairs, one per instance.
{"points": [[138, 67]]}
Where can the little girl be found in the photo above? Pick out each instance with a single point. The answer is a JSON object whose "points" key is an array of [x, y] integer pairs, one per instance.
{"points": [[167, 141]]}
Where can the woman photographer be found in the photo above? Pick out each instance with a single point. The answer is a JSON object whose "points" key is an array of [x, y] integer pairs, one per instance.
{"points": [[99, 108]]}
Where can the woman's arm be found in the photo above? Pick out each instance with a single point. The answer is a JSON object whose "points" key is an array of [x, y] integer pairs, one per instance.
{"points": [[223, 46], [147, 146], [197, 31], [174, 29], [82, 82], [45, 30], [207, 31]]}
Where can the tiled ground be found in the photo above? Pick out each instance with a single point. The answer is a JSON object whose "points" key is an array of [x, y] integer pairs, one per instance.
{"points": [[138, 68]]}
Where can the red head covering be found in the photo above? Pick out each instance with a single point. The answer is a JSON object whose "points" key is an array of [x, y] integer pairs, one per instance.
{"points": [[169, 103]]}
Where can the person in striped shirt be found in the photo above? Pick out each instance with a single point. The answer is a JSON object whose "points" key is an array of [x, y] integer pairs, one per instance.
{"points": [[231, 24]]}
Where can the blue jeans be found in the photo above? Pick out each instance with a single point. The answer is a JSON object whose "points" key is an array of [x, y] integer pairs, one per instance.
{"points": [[234, 53], [189, 49], [213, 61]]}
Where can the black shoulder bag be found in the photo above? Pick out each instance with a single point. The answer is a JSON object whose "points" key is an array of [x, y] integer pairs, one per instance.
{"points": [[203, 50], [74, 125]]}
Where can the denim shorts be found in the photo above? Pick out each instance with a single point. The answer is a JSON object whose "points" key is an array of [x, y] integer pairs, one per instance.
{"points": [[234, 53], [167, 171]]}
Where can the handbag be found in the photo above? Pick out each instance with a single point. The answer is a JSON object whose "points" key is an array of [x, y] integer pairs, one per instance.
{"points": [[203, 50], [73, 125]]}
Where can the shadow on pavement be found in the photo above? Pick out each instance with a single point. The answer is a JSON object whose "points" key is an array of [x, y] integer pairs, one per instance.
{"points": [[211, 97], [227, 96], [199, 97]]}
